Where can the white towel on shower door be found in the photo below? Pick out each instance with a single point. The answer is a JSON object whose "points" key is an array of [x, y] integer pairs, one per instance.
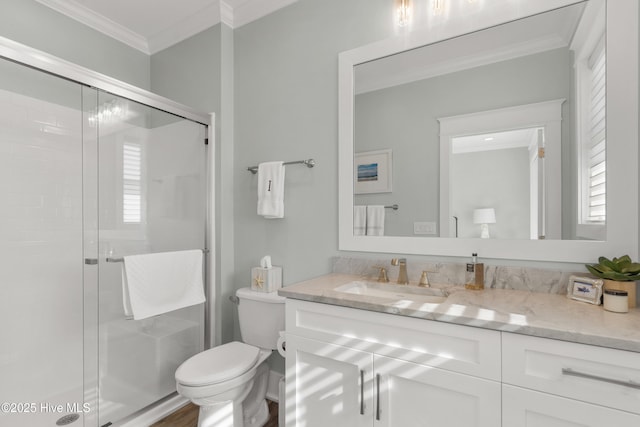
{"points": [[154, 284], [271, 189]]}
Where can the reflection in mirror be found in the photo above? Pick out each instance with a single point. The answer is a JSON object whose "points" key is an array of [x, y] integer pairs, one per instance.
{"points": [[504, 165], [547, 182], [507, 159]]}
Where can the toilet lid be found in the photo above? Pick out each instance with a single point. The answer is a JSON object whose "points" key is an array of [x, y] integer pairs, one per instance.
{"points": [[218, 364]]}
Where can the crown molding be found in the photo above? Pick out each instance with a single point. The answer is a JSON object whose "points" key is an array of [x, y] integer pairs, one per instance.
{"points": [[420, 72], [88, 17], [226, 13], [218, 11], [186, 28], [252, 10]]}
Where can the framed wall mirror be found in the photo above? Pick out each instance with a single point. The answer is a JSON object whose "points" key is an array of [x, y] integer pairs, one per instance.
{"points": [[512, 139]]}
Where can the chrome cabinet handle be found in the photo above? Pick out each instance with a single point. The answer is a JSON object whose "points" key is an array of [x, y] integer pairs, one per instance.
{"points": [[571, 372], [91, 261], [377, 397], [361, 392]]}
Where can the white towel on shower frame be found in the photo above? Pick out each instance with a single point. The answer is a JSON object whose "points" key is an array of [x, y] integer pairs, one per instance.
{"points": [[154, 284]]}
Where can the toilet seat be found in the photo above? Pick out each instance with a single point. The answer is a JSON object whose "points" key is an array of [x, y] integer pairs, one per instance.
{"points": [[218, 364]]}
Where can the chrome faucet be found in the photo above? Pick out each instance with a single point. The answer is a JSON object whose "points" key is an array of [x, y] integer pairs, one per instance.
{"points": [[402, 274]]}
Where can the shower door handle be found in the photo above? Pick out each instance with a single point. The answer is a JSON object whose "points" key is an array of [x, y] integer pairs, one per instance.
{"points": [[361, 392], [91, 261]]}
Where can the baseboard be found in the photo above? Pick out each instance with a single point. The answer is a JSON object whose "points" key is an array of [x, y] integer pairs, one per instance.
{"points": [[154, 413], [273, 389]]}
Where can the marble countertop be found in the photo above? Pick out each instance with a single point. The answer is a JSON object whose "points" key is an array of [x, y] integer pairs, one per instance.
{"points": [[530, 313]]}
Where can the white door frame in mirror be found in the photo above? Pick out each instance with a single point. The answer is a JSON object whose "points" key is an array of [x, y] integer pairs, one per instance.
{"points": [[546, 115], [622, 141]]}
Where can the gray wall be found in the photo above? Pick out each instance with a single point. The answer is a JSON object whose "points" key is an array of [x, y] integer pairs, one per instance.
{"points": [[405, 118], [496, 179], [37, 26], [199, 72], [286, 89]]}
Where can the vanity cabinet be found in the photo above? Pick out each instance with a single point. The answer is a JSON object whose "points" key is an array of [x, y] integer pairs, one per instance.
{"points": [[410, 394], [557, 383], [349, 367], [331, 385]]}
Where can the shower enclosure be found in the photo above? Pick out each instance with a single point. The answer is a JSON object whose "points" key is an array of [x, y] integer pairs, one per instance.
{"points": [[87, 177]]}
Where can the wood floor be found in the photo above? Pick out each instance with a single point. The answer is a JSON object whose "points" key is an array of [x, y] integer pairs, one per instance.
{"points": [[187, 416]]}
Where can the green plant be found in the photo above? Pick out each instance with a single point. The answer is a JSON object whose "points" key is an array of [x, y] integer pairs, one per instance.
{"points": [[621, 269]]}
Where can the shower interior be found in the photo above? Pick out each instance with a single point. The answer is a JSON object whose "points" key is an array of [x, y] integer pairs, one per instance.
{"points": [[88, 176]]}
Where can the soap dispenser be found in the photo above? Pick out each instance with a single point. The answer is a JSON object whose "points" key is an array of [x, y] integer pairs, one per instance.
{"points": [[475, 274]]}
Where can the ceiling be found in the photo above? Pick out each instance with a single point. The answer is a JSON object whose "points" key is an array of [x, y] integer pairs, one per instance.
{"points": [[153, 25]]}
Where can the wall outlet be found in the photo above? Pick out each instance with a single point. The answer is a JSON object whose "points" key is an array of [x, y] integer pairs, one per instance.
{"points": [[424, 228]]}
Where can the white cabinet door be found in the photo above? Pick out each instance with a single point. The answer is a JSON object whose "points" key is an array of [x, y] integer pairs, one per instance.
{"points": [[408, 394], [327, 385], [528, 408]]}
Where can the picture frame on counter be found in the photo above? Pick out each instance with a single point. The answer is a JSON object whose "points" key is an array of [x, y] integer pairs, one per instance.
{"points": [[585, 289]]}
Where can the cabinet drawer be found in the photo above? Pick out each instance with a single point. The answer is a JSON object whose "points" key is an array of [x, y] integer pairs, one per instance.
{"points": [[592, 374], [527, 408], [463, 349]]}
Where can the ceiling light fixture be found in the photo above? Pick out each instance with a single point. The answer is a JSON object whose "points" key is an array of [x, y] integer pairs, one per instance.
{"points": [[403, 12], [438, 6]]}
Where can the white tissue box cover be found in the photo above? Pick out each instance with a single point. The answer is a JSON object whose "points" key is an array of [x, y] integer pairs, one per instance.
{"points": [[266, 279]]}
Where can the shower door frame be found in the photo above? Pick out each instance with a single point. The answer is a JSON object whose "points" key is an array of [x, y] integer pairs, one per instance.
{"points": [[42, 61]]}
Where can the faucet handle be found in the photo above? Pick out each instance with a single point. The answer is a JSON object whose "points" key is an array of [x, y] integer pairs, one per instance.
{"points": [[424, 279], [382, 274], [398, 261]]}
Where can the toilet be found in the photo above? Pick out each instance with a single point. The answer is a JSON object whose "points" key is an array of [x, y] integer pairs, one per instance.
{"points": [[229, 382]]}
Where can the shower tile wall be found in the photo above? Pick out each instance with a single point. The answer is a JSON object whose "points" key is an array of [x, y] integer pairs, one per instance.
{"points": [[40, 248]]}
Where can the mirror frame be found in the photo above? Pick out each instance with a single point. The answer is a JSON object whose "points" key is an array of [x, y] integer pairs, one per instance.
{"points": [[622, 141]]}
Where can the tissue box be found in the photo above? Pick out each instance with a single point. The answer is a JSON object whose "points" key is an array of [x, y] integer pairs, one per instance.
{"points": [[266, 279]]}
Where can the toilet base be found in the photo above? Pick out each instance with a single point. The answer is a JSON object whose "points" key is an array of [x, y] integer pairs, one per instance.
{"points": [[260, 417], [226, 414], [229, 414]]}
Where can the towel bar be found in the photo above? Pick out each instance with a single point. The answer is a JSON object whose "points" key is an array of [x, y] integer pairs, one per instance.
{"points": [[394, 207], [111, 259], [309, 163]]}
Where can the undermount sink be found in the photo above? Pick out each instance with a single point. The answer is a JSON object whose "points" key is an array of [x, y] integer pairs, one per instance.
{"points": [[388, 290]]}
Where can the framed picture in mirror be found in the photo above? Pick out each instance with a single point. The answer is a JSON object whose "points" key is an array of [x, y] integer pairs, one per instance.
{"points": [[373, 172]]}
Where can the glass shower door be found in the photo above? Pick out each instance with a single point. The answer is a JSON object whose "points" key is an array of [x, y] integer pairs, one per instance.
{"points": [[152, 196], [41, 249], [87, 178]]}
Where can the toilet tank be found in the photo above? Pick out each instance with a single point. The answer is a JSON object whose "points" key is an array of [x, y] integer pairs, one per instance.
{"points": [[261, 316]]}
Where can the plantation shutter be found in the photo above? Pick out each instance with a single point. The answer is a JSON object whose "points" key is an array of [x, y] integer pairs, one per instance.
{"points": [[131, 183], [596, 162]]}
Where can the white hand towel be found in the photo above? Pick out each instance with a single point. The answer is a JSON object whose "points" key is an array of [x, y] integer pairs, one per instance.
{"points": [[271, 189], [154, 284], [359, 220], [375, 220]]}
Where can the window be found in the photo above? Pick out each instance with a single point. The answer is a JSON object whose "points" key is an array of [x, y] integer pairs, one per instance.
{"points": [[595, 140], [131, 183], [590, 65]]}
